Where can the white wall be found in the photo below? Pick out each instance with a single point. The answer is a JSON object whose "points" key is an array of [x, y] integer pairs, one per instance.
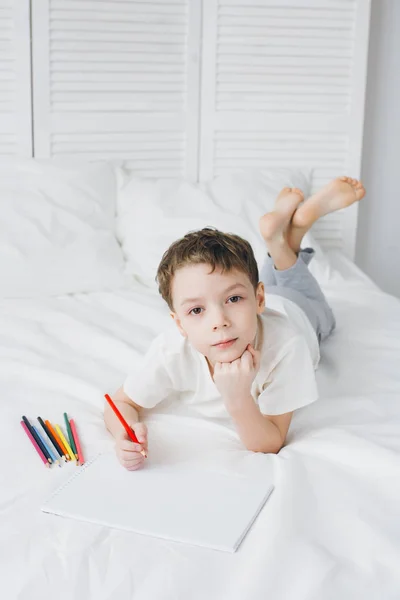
{"points": [[378, 236]]}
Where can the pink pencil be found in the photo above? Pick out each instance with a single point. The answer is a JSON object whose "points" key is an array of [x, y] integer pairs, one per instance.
{"points": [[76, 440], [38, 450]]}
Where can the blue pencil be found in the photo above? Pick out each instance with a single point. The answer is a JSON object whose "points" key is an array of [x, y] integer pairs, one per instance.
{"points": [[52, 439], [53, 458]]}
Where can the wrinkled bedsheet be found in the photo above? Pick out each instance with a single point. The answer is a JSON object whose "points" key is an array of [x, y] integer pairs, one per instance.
{"points": [[329, 531]]}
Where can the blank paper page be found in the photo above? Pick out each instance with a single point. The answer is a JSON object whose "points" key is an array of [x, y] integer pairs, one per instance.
{"points": [[194, 505]]}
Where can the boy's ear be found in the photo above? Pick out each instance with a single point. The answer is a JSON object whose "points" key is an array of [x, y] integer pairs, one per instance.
{"points": [[260, 297], [178, 324]]}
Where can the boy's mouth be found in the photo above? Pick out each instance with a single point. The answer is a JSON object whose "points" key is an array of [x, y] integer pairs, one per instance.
{"points": [[225, 344]]}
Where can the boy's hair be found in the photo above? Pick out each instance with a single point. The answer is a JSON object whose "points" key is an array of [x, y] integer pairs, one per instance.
{"points": [[206, 246]]}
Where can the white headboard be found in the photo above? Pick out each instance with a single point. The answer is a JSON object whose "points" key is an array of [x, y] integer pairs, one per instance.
{"points": [[192, 88]]}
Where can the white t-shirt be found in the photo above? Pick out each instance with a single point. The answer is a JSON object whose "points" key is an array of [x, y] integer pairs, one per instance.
{"points": [[174, 373]]}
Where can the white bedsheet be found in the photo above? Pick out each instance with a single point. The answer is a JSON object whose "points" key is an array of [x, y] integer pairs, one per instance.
{"points": [[331, 528]]}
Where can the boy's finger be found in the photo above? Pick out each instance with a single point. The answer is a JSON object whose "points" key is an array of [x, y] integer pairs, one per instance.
{"points": [[127, 458], [247, 357], [143, 442], [254, 353], [130, 446], [139, 444], [132, 466], [140, 430], [135, 467]]}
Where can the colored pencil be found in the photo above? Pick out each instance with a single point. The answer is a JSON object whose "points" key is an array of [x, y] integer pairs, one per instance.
{"points": [[38, 450], [128, 429], [36, 437], [52, 456], [64, 441], [51, 438], [77, 443], [59, 442], [70, 436]]}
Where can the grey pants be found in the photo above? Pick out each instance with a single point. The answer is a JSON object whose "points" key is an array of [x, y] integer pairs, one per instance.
{"points": [[300, 286]]}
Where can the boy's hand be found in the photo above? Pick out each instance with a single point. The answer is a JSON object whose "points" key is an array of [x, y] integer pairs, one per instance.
{"points": [[234, 379], [128, 452]]}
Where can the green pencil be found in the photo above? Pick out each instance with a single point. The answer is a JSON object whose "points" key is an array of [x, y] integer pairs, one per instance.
{"points": [[70, 436]]}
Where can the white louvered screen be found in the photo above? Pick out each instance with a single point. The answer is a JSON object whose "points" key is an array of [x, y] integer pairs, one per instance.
{"points": [[118, 80], [15, 81], [283, 84]]}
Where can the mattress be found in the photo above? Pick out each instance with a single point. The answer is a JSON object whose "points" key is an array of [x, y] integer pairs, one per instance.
{"points": [[329, 531]]}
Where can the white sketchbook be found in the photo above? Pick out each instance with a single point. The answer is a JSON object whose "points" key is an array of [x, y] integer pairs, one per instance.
{"points": [[178, 502]]}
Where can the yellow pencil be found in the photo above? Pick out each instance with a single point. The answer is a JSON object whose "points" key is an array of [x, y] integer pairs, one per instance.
{"points": [[64, 441]]}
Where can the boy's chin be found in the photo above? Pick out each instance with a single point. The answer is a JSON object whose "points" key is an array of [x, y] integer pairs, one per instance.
{"points": [[227, 356]]}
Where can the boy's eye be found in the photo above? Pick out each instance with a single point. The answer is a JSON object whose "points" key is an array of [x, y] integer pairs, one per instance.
{"points": [[234, 299], [197, 308]]}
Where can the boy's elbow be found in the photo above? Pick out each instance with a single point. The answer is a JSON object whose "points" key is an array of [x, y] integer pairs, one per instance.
{"points": [[268, 447]]}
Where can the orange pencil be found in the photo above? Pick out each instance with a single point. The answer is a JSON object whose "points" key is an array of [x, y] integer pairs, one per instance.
{"points": [[59, 442]]}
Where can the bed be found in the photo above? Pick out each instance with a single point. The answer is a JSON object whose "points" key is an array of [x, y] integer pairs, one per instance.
{"points": [[331, 528]]}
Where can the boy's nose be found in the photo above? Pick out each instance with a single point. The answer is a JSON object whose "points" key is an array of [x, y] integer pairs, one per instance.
{"points": [[220, 320]]}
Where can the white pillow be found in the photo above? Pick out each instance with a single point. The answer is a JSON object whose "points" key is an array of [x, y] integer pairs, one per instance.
{"points": [[57, 228], [153, 213]]}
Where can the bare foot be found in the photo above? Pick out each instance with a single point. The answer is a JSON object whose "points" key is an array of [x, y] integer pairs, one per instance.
{"points": [[338, 193], [274, 225]]}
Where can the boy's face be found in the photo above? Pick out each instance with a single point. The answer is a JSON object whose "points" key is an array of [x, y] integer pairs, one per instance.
{"points": [[211, 307]]}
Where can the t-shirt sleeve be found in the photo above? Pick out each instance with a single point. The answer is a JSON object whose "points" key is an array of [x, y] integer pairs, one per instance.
{"points": [[291, 384], [151, 382]]}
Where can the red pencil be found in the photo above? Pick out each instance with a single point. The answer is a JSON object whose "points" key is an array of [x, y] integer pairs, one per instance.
{"points": [[128, 429], [77, 443]]}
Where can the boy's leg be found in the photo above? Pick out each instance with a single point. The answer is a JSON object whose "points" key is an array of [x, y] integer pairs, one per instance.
{"points": [[285, 270], [300, 286], [284, 228], [274, 228], [285, 273], [267, 271], [285, 205], [337, 194]]}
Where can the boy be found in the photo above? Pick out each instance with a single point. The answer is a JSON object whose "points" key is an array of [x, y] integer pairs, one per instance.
{"points": [[230, 356]]}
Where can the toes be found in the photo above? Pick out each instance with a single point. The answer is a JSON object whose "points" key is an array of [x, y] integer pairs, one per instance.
{"points": [[298, 191], [290, 190], [353, 182], [361, 192]]}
